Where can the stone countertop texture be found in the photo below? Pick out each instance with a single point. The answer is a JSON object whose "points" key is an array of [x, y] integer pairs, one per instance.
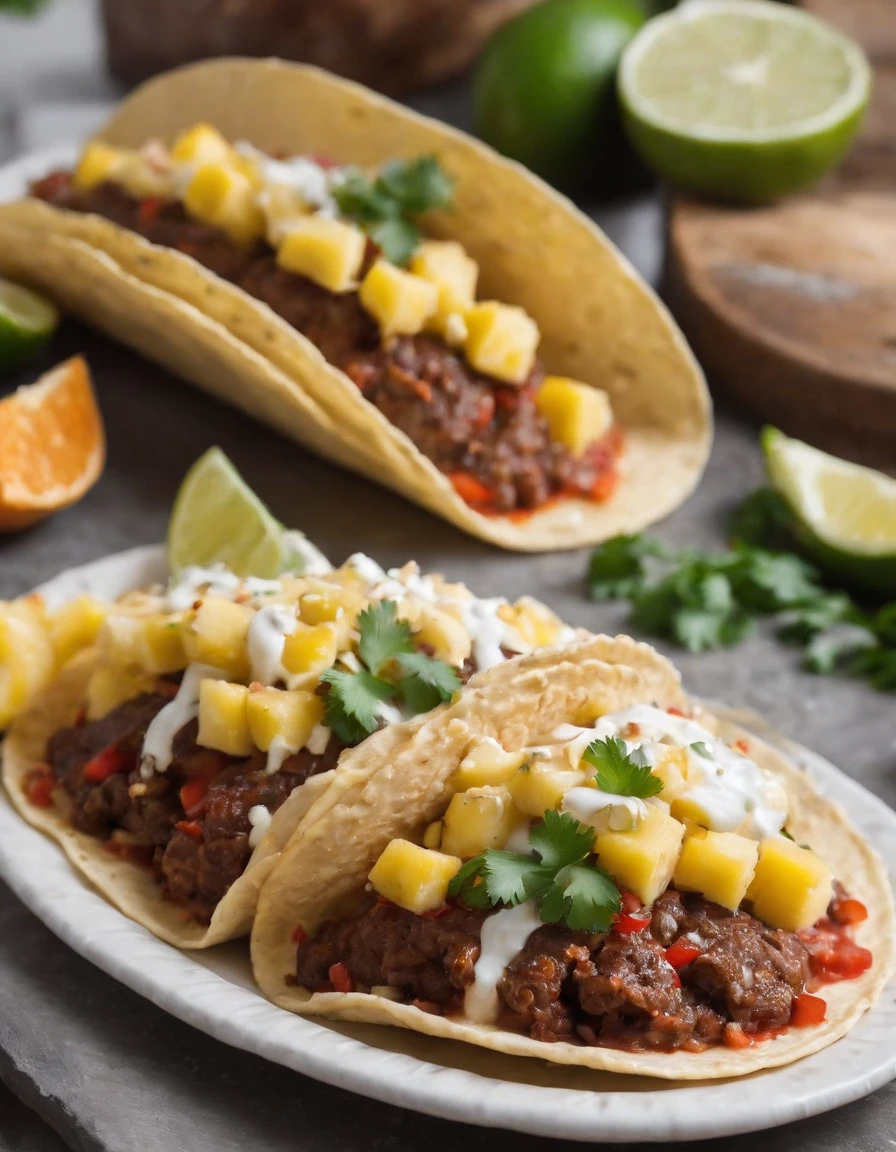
{"points": [[108, 1071]]}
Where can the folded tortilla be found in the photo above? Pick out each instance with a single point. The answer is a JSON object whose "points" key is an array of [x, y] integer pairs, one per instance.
{"points": [[599, 321], [322, 872]]}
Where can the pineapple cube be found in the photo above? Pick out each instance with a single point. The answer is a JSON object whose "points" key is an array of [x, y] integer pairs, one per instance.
{"points": [[501, 341], [432, 837], [221, 196], [577, 415], [791, 887], [672, 769], [400, 302], [139, 178], [325, 602], [223, 723], [27, 660], [75, 626], [329, 252], [160, 643], [201, 144], [537, 787], [535, 622], [110, 686], [486, 764], [272, 712], [215, 633], [477, 819], [413, 877], [448, 638], [721, 811], [310, 649], [98, 163], [719, 865], [642, 859], [446, 264]]}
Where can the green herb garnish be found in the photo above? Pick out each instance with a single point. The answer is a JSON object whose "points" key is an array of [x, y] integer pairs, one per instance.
{"points": [[394, 671], [385, 205], [700, 748], [557, 876], [617, 772]]}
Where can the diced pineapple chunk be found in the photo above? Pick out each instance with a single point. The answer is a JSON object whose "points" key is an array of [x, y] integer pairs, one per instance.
{"points": [[201, 144], [577, 415], [139, 178], [75, 626], [486, 763], [672, 769], [413, 877], [161, 643], [27, 660], [432, 837], [642, 859], [310, 648], [399, 301], [215, 633], [446, 264], [97, 164], [447, 637], [535, 622], [324, 602], [501, 341], [329, 252], [110, 686], [719, 865], [221, 196], [272, 712], [791, 887], [477, 819], [223, 723], [537, 787]]}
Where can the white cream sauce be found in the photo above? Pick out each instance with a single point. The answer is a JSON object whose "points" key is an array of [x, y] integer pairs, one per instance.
{"points": [[193, 582], [318, 740], [267, 636], [503, 936], [603, 811], [260, 819], [159, 740], [488, 632], [277, 753]]}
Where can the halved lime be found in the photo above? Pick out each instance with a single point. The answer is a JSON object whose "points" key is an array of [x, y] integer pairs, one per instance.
{"points": [[218, 519], [27, 321], [846, 513], [746, 100]]}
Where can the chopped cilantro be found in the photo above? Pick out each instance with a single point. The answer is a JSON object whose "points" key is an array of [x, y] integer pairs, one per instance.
{"points": [[556, 875], [382, 635], [700, 748], [351, 706], [617, 772]]}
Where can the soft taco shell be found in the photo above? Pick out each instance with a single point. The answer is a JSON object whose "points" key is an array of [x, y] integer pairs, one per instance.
{"points": [[322, 871], [599, 321]]}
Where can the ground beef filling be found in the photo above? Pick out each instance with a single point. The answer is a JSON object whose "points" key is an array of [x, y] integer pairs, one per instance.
{"points": [[198, 853], [490, 438], [609, 989]]}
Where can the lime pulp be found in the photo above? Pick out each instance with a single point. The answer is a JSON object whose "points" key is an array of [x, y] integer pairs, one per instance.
{"points": [[27, 321]]}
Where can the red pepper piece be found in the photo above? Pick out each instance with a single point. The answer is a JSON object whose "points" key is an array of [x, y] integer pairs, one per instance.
{"points": [[627, 924], [486, 411], [39, 787], [807, 1010], [675, 712], [844, 962], [107, 763], [193, 792], [629, 901], [682, 953], [742, 746], [470, 490], [299, 936], [849, 911], [150, 208], [191, 827], [340, 978], [604, 486]]}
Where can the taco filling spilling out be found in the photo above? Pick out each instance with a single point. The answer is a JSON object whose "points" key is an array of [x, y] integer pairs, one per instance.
{"points": [[629, 885], [214, 699], [338, 254]]}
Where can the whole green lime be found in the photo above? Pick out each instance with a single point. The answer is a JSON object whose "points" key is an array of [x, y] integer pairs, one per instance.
{"points": [[545, 90]]}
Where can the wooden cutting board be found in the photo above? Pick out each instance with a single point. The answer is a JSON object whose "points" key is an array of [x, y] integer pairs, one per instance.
{"points": [[792, 308]]}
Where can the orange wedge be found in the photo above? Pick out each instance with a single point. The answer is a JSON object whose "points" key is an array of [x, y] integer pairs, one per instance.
{"points": [[52, 445]]}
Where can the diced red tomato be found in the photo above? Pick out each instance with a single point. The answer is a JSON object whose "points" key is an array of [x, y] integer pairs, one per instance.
{"points": [[742, 746], [844, 962], [299, 936], [150, 208], [39, 787], [193, 792], [107, 763], [849, 911], [676, 979], [191, 827], [627, 924], [675, 712], [807, 1010], [629, 901], [735, 1037], [340, 978], [470, 490], [604, 486], [682, 953]]}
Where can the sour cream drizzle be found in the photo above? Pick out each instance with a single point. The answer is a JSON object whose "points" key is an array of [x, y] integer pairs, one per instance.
{"points": [[503, 935], [604, 810], [158, 743], [260, 819], [194, 581], [265, 641]]}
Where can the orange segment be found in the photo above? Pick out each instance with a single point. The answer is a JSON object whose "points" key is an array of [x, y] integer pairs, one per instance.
{"points": [[52, 445]]}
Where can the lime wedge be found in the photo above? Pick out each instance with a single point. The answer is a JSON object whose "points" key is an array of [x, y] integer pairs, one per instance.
{"points": [[27, 321], [218, 519], [746, 100], [846, 513]]}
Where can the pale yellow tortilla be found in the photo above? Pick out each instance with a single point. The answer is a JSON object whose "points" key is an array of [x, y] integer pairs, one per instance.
{"points": [[599, 321], [322, 872]]}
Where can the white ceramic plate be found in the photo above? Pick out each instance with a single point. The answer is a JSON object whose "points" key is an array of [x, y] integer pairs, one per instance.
{"points": [[214, 992]]}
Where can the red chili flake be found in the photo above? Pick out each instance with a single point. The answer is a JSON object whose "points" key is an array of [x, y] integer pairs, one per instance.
{"points": [[340, 978], [299, 936], [191, 827], [682, 953], [742, 746], [807, 1010], [675, 712], [39, 785], [107, 763]]}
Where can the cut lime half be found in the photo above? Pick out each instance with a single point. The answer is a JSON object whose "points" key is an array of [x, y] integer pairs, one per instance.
{"points": [[746, 100], [218, 519], [846, 513], [27, 321]]}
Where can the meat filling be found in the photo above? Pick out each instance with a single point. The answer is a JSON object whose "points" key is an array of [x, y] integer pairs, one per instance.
{"points": [[489, 437]]}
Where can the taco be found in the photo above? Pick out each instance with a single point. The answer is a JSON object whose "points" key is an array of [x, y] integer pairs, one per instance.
{"points": [[174, 757], [443, 321], [575, 862]]}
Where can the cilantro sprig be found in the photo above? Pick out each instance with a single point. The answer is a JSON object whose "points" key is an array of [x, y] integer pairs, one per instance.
{"points": [[618, 772], [556, 875], [394, 671], [385, 205], [704, 599]]}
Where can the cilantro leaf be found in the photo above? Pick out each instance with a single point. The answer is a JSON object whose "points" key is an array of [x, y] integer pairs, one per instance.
{"points": [[496, 877], [383, 635], [396, 238], [425, 682], [617, 567], [417, 185], [351, 707], [584, 896], [468, 884], [763, 520], [560, 840], [617, 772]]}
